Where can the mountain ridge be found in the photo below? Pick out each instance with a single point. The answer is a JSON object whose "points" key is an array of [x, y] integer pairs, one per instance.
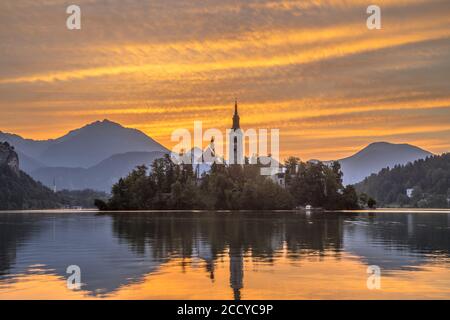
{"points": [[85, 146], [98, 142], [377, 156], [98, 177]]}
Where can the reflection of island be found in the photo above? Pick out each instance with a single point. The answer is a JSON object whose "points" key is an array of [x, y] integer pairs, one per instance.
{"points": [[117, 249], [262, 237]]}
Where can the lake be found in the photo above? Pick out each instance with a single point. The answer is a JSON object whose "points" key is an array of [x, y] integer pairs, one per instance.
{"points": [[225, 255]]}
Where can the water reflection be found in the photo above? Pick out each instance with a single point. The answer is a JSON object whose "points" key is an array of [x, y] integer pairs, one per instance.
{"points": [[261, 236], [119, 250]]}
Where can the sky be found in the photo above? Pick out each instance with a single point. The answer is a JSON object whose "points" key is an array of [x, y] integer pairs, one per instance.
{"points": [[311, 69]]}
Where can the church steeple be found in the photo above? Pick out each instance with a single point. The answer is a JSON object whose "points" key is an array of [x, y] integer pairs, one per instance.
{"points": [[236, 150], [235, 117]]}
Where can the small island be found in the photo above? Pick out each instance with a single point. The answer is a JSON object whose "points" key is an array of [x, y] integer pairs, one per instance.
{"points": [[170, 186]]}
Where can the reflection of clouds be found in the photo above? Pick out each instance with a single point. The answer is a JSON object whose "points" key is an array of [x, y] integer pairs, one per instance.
{"points": [[82, 241], [118, 250], [181, 53]]}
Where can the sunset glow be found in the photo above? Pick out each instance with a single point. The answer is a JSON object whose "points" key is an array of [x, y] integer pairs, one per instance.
{"points": [[291, 280], [310, 68]]}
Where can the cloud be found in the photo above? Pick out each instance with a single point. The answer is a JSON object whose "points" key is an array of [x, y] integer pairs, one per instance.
{"points": [[310, 68]]}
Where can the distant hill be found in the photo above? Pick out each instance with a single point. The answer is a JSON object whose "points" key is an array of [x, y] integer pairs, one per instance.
{"points": [[82, 148], [377, 156], [428, 183], [99, 177]]}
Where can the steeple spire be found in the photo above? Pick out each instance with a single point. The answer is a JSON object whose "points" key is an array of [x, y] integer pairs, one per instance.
{"points": [[235, 116], [235, 140]]}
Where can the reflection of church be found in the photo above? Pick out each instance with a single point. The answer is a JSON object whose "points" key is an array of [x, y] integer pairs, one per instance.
{"points": [[236, 255], [236, 271]]}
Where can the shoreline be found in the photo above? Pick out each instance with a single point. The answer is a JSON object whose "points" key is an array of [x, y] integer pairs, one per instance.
{"points": [[379, 210]]}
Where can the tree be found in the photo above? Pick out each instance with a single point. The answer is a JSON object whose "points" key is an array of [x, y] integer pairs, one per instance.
{"points": [[349, 198], [100, 204], [176, 201], [234, 187], [363, 199], [249, 198]]}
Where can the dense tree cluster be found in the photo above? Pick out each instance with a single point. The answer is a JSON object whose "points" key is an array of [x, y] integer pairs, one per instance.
{"points": [[319, 185], [428, 178], [235, 187], [80, 198]]}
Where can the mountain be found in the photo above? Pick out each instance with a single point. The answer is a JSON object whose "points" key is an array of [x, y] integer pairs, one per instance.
{"points": [[17, 189], [31, 148], [96, 142], [29, 164], [99, 177], [377, 156], [94, 156], [82, 148], [28, 150], [424, 183]]}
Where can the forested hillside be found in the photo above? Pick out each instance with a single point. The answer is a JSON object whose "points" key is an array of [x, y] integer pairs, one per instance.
{"points": [[428, 181], [18, 191]]}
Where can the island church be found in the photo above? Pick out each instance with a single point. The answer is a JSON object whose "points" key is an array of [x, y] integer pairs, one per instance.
{"points": [[235, 152]]}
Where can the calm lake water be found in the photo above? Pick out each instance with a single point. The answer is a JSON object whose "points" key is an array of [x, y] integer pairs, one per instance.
{"points": [[198, 255]]}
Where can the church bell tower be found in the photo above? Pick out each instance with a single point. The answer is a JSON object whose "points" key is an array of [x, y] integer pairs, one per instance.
{"points": [[235, 139]]}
